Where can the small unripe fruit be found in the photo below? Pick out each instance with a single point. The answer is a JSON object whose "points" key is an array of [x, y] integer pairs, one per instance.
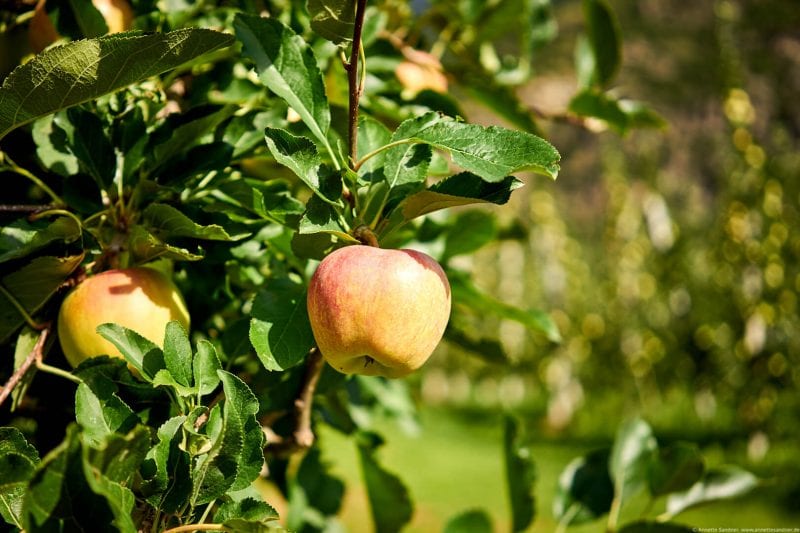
{"points": [[141, 299], [378, 312]]}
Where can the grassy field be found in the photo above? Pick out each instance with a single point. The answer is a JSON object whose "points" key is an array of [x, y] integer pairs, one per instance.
{"points": [[453, 465]]}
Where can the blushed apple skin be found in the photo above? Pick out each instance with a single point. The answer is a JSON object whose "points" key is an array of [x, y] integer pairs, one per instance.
{"points": [[378, 312], [140, 298]]}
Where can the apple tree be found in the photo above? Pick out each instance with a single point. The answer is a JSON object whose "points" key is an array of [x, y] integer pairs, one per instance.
{"points": [[256, 168]]}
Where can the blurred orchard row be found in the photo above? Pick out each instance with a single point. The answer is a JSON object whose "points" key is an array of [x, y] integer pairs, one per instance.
{"points": [[668, 258]]}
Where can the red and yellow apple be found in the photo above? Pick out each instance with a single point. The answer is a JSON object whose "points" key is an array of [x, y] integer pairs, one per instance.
{"points": [[117, 14], [378, 312], [140, 298]]}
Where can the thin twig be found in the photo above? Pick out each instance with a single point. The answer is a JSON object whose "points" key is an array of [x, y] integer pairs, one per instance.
{"points": [[34, 357], [196, 527], [354, 80], [302, 437], [25, 208]]}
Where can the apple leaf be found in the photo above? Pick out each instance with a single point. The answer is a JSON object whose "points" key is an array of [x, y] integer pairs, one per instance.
{"points": [[469, 231], [204, 368], [473, 521], [21, 237], [407, 164], [31, 286], [620, 115], [279, 329], [461, 189], [585, 490], [143, 354], [164, 221], [83, 70], [675, 468], [100, 411], [389, 501], [18, 460], [246, 515], [632, 455], [372, 135], [490, 152], [145, 247], [300, 155], [314, 491], [287, 66], [333, 19], [520, 476], [164, 463], [321, 217], [110, 467], [716, 484], [646, 526], [466, 294], [26, 341], [603, 37], [178, 354], [87, 140], [236, 457]]}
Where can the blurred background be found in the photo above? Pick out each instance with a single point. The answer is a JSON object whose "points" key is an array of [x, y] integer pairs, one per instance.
{"points": [[668, 259]]}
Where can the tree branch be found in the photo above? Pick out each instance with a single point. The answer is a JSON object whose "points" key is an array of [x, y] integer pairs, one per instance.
{"points": [[302, 437], [35, 356], [353, 80]]}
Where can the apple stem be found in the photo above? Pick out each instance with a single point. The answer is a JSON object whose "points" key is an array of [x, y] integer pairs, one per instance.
{"points": [[364, 234]]}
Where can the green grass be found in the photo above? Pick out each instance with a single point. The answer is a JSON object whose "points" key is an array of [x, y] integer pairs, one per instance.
{"points": [[454, 465]]}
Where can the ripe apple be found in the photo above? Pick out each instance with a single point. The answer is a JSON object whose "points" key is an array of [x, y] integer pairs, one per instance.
{"points": [[117, 14], [140, 298], [378, 312]]}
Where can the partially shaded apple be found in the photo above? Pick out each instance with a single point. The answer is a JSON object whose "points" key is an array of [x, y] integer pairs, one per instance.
{"points": [[378, 312], [141, 299]]}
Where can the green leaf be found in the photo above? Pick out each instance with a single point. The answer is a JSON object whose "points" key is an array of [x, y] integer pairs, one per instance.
{"points": [[466, 294], [492, 153], [32, 286], [407, 164], [474, 521], [84, 70], [603, 34], [675, 468], [644, 526], [246, 516], [620, 115], [458, 190], [333, 19], [178, 354], [469, 231], [585, 490], [314, 494], [100, 411], [21, 238], [87, 139], [26, 342], [372, 135], [389, 502], [204, 368], [18, 460], [110, 468], [165, 462], [717, 484], [144, 355], [502, 100], [88, 18], [287, 66], [51, 147], [631, 458], [145, 247], [520, 476], [490, 350], [164, 221], [301, 157], [279, 329], [236, 457], [179, 139], [321, 217]]}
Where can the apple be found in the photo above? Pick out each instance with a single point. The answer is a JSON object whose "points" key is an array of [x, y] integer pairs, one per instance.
{"points": [[118, 16], [419, 71], [378, 312], [140, 298]]}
